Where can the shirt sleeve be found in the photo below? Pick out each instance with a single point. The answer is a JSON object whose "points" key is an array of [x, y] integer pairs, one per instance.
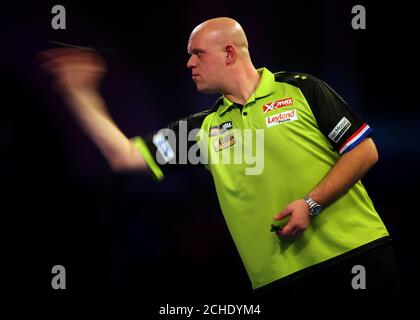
{"points": [[342, 126], [172, 145]]}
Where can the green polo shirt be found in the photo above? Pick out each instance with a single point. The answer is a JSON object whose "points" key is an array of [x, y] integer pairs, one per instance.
{"points": [[266, 154]]}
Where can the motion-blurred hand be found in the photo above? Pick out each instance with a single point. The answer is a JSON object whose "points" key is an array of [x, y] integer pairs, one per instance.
{"points": [[73, 69], [77, 75]]}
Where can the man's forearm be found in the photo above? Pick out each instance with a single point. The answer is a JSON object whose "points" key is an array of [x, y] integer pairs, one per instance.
{"points": [[349, 169], [89, 109]]}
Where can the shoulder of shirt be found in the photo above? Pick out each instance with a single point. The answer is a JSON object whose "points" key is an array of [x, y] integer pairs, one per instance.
{"points": [[202, 114], [196, 119], [297, 79], [216, 105]]}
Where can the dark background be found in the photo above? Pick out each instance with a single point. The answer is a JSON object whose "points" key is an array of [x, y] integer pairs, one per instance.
{"points": [[126, 237]]}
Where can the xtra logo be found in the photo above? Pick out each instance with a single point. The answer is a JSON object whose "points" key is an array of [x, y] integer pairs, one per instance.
{"points": [[286, 116], [277, 104]]}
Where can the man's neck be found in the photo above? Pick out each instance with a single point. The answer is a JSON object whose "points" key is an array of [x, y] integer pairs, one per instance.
{"points": [[244, 85]]}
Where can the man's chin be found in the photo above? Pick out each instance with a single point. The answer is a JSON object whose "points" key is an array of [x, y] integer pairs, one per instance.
{"points": [[206, 90]]}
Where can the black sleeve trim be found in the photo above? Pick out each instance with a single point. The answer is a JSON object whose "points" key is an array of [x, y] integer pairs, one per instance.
{"points": [[343, 128]]}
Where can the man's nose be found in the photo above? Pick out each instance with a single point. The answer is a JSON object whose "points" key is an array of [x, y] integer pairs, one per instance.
{"points": [[191, 62]]}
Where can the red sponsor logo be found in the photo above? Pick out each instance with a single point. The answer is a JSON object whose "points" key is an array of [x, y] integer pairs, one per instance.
{"points": [[277, 104], [281, 117]]}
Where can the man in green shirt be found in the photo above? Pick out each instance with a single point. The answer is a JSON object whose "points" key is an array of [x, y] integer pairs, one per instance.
{"points": [[282, 148]]}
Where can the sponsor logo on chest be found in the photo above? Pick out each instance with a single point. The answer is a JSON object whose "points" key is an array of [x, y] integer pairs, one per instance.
{"points": [[220, 129], [287, 116], [224, 142], [277, 104]]}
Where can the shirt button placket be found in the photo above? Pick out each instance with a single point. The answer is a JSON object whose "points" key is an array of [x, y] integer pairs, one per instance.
{"points": [[245, 116]]}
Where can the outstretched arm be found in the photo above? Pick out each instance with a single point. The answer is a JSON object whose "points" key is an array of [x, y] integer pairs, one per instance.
{"points": [[77, 75], [349, 169]]}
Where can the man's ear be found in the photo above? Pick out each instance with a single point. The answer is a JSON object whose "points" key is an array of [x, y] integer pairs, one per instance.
{"points": [[230, 54]]}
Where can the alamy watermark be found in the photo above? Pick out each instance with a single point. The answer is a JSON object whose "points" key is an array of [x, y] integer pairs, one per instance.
{"points": [[59, 20], [59, 280], [359, 20], [233, 146], [359, 280]]}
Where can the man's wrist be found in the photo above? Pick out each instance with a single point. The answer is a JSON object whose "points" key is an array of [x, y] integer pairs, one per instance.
{"points": [[315, 208]]}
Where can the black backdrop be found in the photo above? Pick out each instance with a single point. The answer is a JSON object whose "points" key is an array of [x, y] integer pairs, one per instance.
{"points": [[122, 237]]}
